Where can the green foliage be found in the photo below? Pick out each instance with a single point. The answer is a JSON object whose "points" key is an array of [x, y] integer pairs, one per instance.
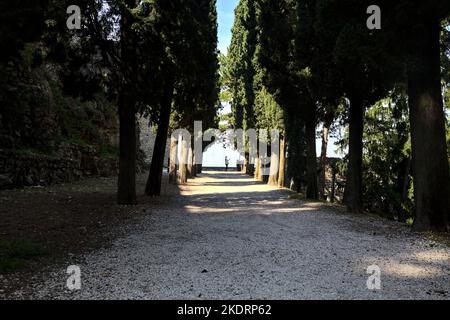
{"points": [[187, 32], [225, 117], [269, 114], [108, 151], [278, 71], [283, 57], [53, 90], [290, 65], [38, 115], [21, 22], [15, 254], [387, 155], [30, 152], [241, 69], [225, 80], [445, 61], [445, 52], [80, 121], [298, 196]]}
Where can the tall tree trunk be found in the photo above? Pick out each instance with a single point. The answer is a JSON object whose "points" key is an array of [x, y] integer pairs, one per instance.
{"points": [[183, 162], [274, 169], [296, 164], [246, 163], [194, 167], [353, 186], [265, 166], [173, 161], [190, 166], [282, 169], [199, 165], [126, 189], [193, 160], [251, 169], [404, 182], [429, 151], [311, 160], [154, 180], [333, 183], [323, 160], [258, 172], [126, 193], [258, 176]]}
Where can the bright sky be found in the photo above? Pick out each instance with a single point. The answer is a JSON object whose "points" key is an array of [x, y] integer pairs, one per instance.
{"points": [[225, 11]]}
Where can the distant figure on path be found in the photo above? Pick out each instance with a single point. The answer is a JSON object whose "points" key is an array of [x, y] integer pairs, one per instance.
{"points": [[227, 162]]}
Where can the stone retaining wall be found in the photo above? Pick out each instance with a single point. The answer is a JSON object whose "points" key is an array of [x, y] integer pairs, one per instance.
{"points": [[70, 164]]}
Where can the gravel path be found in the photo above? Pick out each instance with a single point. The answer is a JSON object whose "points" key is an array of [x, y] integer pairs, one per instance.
{"points": [[227, 237]]}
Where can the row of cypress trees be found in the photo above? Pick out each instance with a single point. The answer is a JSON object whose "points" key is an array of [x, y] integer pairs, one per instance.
{"points": [[316, 61], [154, 58]]}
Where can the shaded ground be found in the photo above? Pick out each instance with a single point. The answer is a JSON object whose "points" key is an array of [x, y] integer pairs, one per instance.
{"points": [[58, 222], [226, 237]]}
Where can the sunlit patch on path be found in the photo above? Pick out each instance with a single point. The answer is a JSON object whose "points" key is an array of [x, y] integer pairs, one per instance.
{"points": [[225, 236]]}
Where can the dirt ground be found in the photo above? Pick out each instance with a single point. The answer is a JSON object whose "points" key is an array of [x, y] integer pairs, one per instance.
{"points": [[223, 236], [63, 221]]}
